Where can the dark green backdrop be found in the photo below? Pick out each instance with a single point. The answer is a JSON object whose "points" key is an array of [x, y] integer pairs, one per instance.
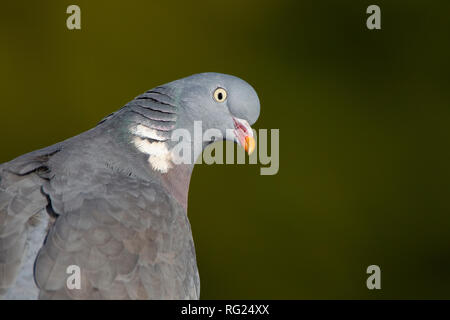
{"points": [[363, 116]]}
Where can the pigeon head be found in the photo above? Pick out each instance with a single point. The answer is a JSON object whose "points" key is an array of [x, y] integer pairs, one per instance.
{"points": [[221, 102]]}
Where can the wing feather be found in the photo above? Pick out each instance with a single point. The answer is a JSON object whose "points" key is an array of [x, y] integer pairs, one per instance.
{"points": [[129, 238]]}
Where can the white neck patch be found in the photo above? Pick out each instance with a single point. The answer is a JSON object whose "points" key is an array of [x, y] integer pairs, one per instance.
{"points": [[145, 132], [160, 157]]}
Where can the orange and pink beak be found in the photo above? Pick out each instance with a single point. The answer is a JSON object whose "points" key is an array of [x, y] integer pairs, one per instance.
{"points": [[244, 134]]}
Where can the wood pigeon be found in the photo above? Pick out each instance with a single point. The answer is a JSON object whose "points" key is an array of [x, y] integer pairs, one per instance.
{"points": [[111, 203]]}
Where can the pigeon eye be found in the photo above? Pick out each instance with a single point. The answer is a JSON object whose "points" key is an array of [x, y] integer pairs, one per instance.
{"points": [[220, 95]]}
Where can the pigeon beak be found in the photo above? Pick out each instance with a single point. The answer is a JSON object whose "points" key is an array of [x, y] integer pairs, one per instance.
{"points": [[244, 134]]}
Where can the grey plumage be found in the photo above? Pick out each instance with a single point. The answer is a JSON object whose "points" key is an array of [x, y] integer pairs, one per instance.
{"points": [[100, 205]]}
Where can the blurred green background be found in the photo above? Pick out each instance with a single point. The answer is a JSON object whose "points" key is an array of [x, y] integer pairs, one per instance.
{"points": [[363, 116]]}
